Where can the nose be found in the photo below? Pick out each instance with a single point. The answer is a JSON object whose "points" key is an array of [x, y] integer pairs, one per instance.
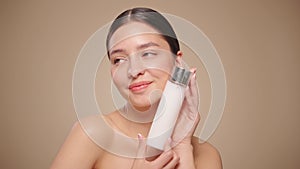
{"points": [[136, 67]]}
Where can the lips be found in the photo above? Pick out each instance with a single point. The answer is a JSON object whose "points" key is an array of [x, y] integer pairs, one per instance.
{"points": [[139, 86]]}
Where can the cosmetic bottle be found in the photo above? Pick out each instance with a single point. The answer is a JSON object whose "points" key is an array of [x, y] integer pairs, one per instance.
{"points": [[168, 108]]}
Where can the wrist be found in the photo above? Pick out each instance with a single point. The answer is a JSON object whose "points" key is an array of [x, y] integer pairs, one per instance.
{"points": [[184, 147], [185, 151]]}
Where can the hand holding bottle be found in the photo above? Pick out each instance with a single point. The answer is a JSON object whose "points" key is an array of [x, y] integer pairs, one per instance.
{"points": [[169, 108], [166, 160], [185, 126], [189, 117]]}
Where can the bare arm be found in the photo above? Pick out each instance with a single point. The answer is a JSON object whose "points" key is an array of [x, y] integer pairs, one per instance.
{"points": [[77, 152]]}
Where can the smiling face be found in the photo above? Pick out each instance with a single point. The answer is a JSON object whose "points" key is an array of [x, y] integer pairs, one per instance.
{"points": [[141, 62]]}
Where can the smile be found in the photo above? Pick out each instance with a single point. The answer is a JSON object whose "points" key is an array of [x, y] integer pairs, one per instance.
{"points": [[139, 86]]}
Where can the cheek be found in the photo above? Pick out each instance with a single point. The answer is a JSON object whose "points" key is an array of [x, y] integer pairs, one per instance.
{"points": [[164, 64], [161, 76], [163, 69], [119, 78]]}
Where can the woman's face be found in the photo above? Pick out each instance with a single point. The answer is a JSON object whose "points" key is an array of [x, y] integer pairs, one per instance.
{"points": [[141, 62]]}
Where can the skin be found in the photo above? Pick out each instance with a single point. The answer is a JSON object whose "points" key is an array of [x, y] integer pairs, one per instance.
{"points": [[136, 83]]}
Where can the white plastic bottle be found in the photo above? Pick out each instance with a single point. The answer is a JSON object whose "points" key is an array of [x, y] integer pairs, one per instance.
{"points": [[168, 108]]}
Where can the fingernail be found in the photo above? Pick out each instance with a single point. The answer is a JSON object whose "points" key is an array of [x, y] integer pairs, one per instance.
{"points": [[193, 70], [140, 136], [169, 140]]}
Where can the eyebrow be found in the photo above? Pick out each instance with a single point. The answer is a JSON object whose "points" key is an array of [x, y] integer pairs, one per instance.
{"points": [[140, 47], [116, 51], [146, 45]]}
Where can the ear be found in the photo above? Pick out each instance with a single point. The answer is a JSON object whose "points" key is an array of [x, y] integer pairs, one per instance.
{"points": [[179, 58], [179, 54]]}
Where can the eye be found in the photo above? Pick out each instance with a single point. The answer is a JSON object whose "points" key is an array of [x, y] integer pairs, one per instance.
{"points": [[118, 60], [149, 53]]}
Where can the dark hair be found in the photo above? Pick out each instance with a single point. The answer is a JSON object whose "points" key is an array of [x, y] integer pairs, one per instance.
{"points": [[150, 17]]}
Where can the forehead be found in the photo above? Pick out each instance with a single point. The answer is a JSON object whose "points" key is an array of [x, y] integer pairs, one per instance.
{"points": [[131, 29]]}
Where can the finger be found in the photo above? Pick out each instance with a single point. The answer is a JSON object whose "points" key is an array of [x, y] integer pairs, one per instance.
{"points": [[174, 161], [193, 85], [193, 70], [193, 93], [141, 147], [163, 159], [168, 145]]}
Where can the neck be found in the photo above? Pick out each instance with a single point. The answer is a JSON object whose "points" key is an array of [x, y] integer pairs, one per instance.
{"points": [[139, 116]]}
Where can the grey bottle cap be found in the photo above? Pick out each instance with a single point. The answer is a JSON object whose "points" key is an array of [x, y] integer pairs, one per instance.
{"points": [[181, 76]]}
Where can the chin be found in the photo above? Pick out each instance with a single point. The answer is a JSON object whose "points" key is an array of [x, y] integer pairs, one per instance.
{"points": [[144, 106], [140, 105]]}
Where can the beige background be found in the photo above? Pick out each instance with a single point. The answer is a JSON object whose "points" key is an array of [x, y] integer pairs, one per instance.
{"points": [[258, 42]]}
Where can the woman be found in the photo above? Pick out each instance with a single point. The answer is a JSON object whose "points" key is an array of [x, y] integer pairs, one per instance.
{"points": [[142, 48]]}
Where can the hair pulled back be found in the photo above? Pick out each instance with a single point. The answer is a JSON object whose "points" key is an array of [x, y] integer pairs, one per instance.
{"points": [[149, 17]]}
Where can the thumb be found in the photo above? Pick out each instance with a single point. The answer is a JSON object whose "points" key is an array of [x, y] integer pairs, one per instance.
{"points": [[168, 144], [141, 147]]}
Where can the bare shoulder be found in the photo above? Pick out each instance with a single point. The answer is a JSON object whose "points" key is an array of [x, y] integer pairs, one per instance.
{"points": [[206, 155], [78, 150]]}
